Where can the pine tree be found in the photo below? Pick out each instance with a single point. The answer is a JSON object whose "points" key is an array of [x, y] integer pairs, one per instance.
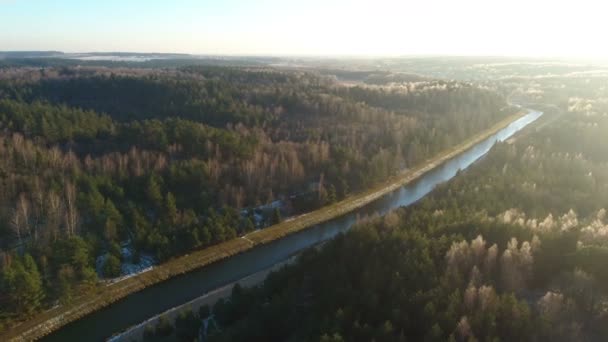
{"points": [[24, 285], [276, 216], [153, 193], [331, 194], [170, 209], [187, 326], [111, 267], [164, 328]]}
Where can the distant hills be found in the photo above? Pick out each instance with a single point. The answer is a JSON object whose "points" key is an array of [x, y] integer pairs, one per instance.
{"points": [[92, 55], [30, 54], [123, 59]]}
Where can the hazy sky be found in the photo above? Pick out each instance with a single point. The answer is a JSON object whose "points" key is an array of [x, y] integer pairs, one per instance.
{"points": [[309, 27]]}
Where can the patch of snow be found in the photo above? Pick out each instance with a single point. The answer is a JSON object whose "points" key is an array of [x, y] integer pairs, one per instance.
{"points": [[128, 268]]}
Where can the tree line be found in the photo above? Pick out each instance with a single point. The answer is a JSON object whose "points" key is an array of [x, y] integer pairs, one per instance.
{"points": [[166, 162], [512, 249]]}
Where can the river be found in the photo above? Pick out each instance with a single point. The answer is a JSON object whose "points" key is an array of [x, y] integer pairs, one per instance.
{"points": [[151, 301]]}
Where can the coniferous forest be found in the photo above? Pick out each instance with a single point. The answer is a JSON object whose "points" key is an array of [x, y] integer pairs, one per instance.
{"points": [[107, 170], [303, 171], [513, 249]]}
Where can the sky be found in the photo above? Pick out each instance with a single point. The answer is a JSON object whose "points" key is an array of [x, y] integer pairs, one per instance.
{"points": [[535, 28]]}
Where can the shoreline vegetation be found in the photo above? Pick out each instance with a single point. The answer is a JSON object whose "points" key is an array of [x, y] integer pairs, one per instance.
{"points": [[55, 318], [136, 332]]}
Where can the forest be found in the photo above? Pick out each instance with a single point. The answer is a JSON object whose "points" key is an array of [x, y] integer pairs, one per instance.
{"points": [[513, 249], [104, 170]]}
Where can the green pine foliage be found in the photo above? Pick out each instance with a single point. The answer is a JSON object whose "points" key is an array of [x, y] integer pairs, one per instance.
{"points": [[167, 159], [512, 249]]}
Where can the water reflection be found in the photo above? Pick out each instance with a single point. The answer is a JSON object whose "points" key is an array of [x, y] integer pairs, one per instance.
{"points": [[151, 301]]}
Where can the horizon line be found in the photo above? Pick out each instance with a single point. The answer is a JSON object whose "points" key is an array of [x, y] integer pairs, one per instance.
{"points": [[313, 55]]}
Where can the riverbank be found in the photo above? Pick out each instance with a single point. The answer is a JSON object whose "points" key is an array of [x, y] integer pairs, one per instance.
{"points": [[136, 333], [51, 320]]}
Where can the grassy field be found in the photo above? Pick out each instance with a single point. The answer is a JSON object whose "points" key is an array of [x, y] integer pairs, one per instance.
{"points": [[51, 320]]}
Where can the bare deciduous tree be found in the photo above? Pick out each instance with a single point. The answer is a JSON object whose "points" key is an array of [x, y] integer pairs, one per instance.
{"points": [[71, 213]]}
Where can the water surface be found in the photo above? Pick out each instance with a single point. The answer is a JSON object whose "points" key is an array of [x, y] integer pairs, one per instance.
{"points": [[173, 292]]}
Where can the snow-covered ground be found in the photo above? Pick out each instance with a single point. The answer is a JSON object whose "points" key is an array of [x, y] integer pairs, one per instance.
{"points": [[259, 212], [128, 267]]}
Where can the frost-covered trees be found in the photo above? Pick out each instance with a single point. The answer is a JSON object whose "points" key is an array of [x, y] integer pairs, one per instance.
{"points": [[516, 265], [474, 263], [596, 232], [564, 223]]}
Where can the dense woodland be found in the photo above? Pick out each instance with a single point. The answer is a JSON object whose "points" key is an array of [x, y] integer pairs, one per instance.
{"points": [[513, 249], [94, 161]]}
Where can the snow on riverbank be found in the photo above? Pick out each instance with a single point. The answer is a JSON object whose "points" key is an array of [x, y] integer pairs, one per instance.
{"points": [[129, 267]]}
